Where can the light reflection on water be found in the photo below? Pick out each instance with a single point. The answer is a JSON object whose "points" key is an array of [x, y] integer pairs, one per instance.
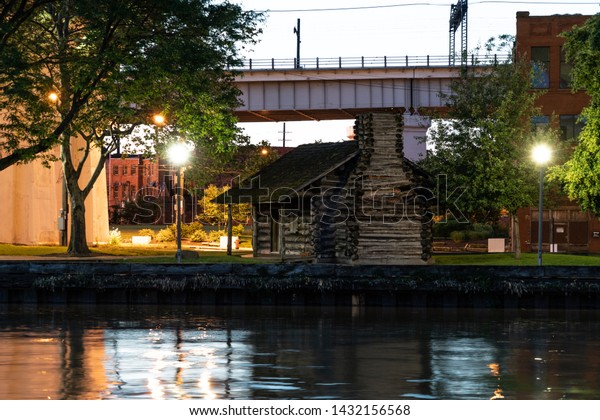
{"points": [[296, 352]]}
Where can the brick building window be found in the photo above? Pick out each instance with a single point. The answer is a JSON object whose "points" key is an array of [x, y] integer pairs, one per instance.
{"points": [[126, 191], [540, 63], [124, 169], [570, 127], [541, 121], [116, 191], [115, 169], [133, 169], [566, 68]]}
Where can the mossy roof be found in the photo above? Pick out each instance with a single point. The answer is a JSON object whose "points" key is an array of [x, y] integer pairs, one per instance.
{"points": [[295, 171]]}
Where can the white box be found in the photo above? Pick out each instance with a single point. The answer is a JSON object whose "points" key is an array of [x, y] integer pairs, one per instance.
{"points": [[496, 245]]}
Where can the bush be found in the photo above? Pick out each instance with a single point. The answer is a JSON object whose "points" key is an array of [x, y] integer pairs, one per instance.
{"points": [[199, 236], [166, 235], [215, 235], [238, 230], [457, 235], [444, 228], [146, 232], [114, 237], [187, 230]]}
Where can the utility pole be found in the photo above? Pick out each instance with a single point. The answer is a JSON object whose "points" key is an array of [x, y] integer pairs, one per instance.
{"points": [[284, 133], [297, 32]]}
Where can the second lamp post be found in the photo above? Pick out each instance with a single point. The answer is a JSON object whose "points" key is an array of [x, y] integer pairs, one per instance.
{"points": [[178, 155], [541, 156]]}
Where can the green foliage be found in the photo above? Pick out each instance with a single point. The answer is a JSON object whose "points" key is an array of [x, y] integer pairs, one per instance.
{"points": [[114, 237], [580, 175], [199, 236], [443, 228], [215, 235], [457, 236], [146, 232], [188, 229], [100, 57], [237, 230], [216, 214], [241, 160], [165, 235], [467, 231], [481, 152]]}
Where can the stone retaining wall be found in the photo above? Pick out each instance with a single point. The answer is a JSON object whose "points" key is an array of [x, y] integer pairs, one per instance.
{"points": [[299, 284]]}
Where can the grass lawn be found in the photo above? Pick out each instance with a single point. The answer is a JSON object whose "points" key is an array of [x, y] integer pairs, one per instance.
{"points": [[527, 259], [165, 253]]}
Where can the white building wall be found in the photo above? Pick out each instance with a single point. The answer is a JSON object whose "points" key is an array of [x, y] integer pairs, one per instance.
{"points": [[31, 197]]}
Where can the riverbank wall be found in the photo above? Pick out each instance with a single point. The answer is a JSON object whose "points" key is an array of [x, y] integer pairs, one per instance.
{"points": [[41, 282]]}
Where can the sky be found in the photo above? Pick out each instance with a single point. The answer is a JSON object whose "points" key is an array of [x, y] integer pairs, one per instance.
{"points": [[355, 28]]}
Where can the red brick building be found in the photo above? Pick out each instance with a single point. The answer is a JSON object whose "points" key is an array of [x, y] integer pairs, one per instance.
{"points": [[565, 227], [148, 182], [126, 175]]}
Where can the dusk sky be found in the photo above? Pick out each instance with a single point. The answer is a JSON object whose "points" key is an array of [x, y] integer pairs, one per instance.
{"points": [[355, 28]]}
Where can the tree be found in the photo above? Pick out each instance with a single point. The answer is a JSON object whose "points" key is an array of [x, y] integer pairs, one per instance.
{"points": [[28, 126], [481, 151], [580, 175], [223, 168], [114, 63]]}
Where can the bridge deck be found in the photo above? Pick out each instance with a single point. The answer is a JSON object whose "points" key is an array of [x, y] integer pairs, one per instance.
{"points": [[329, 89]]}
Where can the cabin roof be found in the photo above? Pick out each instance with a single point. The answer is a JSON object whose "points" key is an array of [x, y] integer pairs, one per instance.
{"points": [[295, 171]]}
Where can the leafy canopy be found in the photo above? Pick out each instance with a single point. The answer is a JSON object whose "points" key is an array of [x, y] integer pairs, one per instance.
{"points": [[580, 175], [114, 63], [481, 151]]}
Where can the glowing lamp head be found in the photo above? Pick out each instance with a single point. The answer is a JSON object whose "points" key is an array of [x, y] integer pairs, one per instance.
{"points": [[264, 151], [541, 154], [53, 97], [159, 119], [178, 153]]}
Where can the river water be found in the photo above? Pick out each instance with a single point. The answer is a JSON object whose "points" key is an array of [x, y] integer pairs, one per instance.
{"points": [[157, 352]]}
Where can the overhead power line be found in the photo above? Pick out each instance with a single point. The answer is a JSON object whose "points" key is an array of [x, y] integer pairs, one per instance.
{"points": [[341, 9]]}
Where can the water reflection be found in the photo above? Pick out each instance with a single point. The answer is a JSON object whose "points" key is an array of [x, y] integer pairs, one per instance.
{"points": [[259, 353]]}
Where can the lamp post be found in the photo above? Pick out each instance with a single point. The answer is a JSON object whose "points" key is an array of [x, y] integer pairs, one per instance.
{"points": [[541, 155], [178, 155], [63, 215], [158, 120]]}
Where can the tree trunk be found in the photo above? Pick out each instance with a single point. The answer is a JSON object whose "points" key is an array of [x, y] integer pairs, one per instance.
{"points": [[77, 241], [516, 236]]}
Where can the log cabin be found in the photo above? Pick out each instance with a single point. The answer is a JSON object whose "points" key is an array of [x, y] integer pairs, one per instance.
{"points": [[352, 202]]}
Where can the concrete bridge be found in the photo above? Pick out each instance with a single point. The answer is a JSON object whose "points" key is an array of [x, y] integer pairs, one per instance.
{"points": [[340, 88]]}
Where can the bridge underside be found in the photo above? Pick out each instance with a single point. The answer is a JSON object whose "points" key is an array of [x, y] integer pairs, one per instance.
{"points": [[311, 114], [311, 95]]}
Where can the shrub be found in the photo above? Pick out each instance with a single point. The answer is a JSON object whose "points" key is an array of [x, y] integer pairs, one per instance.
{"points": [[146, 232], [444, 228], [457, 235], [165, 235], [215, 235], [238, 230], [187, 230], [474, 235], [114, 237], [199, 236]]}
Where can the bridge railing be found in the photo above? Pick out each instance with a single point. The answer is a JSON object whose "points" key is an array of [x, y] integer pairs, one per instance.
{"points": [[370, 62]]}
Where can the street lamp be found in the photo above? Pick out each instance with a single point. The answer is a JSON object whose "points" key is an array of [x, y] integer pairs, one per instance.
{"points": [[178, 153], [158, 119], [541, 155]]}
